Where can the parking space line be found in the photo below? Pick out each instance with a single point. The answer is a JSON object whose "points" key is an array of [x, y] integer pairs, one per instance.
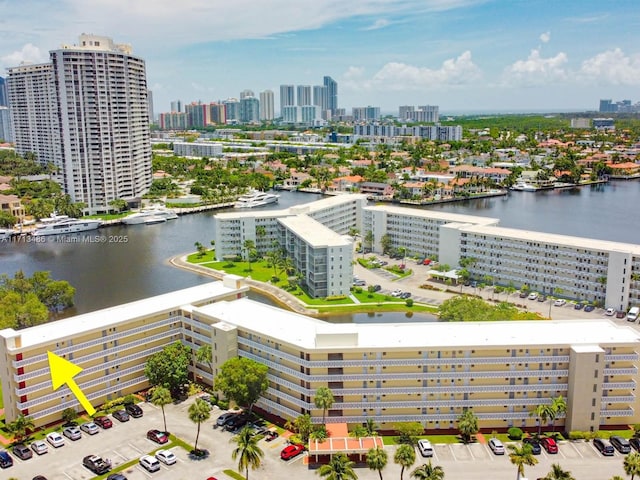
{"points": [[579, 452], [135, 448], [471, 452], [453, 453], [67, 475]]}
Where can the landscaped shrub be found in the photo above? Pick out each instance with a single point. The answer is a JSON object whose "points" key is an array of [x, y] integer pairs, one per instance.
{"points": [[409, 302], [576, 435], [515, 433], [333, 298], [223, 404]]}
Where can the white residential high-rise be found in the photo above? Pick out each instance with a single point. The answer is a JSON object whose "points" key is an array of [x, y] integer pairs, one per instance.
{"points": [[6, 132], [87, 112], [150, 104], [304, 95], [287, 97], [267, 105], [176, 106]]}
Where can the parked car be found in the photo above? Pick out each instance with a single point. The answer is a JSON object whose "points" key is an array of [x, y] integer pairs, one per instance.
{"points": [[151, 464], [549, 444], [610, 312], [5, 459], [603, 446], [90, 428], [291, 451], [426, 450], [359, 283], [236, 422], [496, 446], [134, 410], [542, 298], [578, 306], [621, 314], [116, 476], [396, 293], [22, 451], [533, 296], [121, 415], [72, 433], [621, 444], [42, 477], [96, 464], [523, 294], [55, 439], [166, 456], [560, 302], [270, 435], [635, 443], [225, 418], [157, 436], [39, 447], [377, 288], [405, 295], [589, 308], [535, 445], [103, 422]]}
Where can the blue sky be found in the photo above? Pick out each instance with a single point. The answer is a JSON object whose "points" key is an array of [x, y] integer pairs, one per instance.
{"points": [[463, 55]]}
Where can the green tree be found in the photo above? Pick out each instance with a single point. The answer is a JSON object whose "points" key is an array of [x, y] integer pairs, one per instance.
{"points": [[377, 459], [247, 451], [632, 464], [205, 355], [405, 457], [302, 426], [428, 472], [324, 400], [338, 468], [161, 396], [467, 425], [521, 456], [543, 412], [118, 204], [199, 412], [169, 367], [371, 427], [242, 380], [368, 240], [557, 473], [7, 220], [69, 415], [20, 427], [249, 247], [409, 432], [385, 243]]}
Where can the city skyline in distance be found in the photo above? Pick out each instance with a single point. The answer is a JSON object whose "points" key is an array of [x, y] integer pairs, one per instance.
{"points": [[463, 55]]}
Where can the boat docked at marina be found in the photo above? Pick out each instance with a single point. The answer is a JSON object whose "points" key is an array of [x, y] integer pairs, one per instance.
{"points": [[63, 224], [5, 234], [522, 186], [149, 216], [255, 198]]}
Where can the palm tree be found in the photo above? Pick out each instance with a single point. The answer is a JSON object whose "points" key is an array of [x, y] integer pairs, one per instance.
{"points": [[249, 246], [199, 412], [522, 456], [20, 427], [371, 427], [338, 468], [324, 400], [377, 459], [405, 457], [632, 464], [160, 397], [467, 425], [543, 413], [559, 405], [557, 473], [247, 451], [428, 472], [204, 355]]}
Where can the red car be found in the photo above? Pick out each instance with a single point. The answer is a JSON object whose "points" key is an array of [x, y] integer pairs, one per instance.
{"points": [[157, 436], [549, 444], [291, 451], [103, 422]]}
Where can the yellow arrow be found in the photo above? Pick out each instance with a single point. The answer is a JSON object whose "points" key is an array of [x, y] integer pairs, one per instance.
{"points": [[63, 371]]}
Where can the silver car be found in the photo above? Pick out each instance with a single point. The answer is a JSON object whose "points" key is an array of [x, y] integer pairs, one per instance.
{"points": [[72, 433], [90, 428]]}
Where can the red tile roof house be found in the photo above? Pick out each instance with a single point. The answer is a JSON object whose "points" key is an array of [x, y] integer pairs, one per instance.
{"points": [[345, 184]]}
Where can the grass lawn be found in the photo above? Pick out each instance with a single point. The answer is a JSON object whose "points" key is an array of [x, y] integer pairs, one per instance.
{"points": [[391, 440], [628, 433], [197, 258], [396, 270]]}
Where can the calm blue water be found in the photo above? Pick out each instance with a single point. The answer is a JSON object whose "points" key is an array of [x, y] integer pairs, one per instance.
{"points": [[113, 273]]}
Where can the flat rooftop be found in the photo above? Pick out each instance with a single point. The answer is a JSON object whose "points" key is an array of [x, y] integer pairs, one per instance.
{"points": [[304, 332], [112, 316], [436, 215], [553, 238], [313, 232]]}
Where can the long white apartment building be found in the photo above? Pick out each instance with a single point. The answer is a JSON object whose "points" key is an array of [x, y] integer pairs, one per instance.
{"points": [[414, 229], [431, 372], [585, 269], [419, 372], [320, 231], [110, 345], [86, 112]]}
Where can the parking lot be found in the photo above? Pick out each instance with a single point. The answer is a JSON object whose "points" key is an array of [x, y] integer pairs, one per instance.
{"points": [[127, 441]]}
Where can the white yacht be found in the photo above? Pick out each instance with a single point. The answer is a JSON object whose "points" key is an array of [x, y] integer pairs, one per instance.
{"points": [[65, 225], [149, 216], [255, 198], [522, 186], [5, 234]]}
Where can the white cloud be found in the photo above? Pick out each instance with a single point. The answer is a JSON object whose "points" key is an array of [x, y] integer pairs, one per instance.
{"points": [[536, 70], [27, 54], [401, 76], [378, 24], [545, 37], [612, 67]]}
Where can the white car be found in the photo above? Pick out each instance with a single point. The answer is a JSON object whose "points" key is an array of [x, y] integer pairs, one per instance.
{"points": [[39, 447], [559, 302], [496, 446], [150, 463], [396, 293], [610, 312], [426, 450], [166, 456], [533, 296], [55, 439]]}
